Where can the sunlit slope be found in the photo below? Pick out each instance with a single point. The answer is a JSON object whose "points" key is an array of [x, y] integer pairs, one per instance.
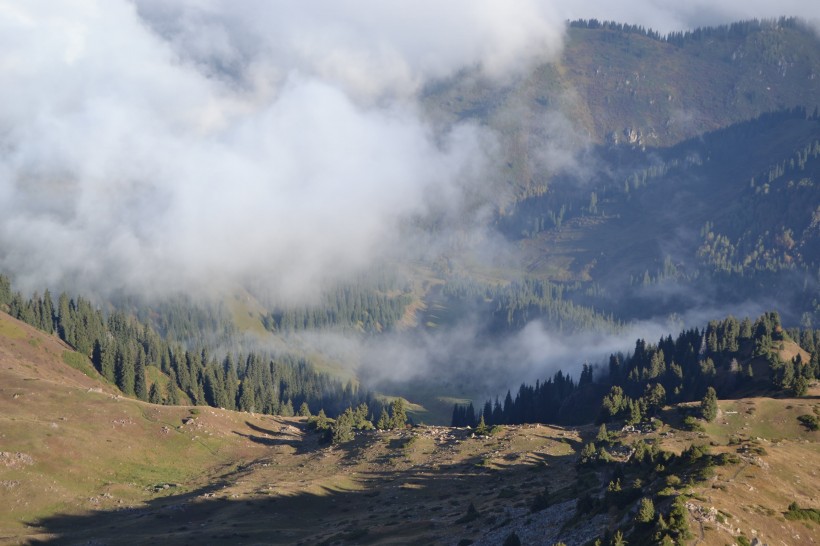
{"points": [[71, 443], [81, 464]]}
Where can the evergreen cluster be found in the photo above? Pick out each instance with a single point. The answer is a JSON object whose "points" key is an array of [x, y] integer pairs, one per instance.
{"points": [[735, 30], [121, 347], [511, 306], [726, 359], [348, 307]]}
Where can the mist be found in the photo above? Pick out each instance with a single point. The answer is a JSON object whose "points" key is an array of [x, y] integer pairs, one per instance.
{"points": [[150, 148]]}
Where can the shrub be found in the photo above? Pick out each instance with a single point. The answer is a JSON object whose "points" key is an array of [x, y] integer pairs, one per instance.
{"points": [[796, 513], [811, 422], [471, 515], [690, 423]]}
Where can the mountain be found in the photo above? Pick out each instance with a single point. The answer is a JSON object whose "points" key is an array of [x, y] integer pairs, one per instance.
{"points": [[642, 179], [633, 153]]}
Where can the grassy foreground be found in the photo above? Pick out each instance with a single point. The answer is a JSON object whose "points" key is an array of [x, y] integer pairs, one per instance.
{"points": [[80, 464]]}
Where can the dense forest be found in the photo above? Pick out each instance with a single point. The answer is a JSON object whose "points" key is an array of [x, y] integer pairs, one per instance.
{"points": [[122, 348], [719, 32], [355, 306], [733, 357], [756, 232]]}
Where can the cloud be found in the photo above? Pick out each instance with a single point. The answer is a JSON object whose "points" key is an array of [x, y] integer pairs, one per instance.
{"points": [[370, 49], [148, 147], [468, 362]]}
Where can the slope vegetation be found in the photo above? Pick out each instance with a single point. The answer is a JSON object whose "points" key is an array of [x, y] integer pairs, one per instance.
{"points": [[82, 464]]}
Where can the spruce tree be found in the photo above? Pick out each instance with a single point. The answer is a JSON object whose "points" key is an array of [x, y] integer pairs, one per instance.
{"points": [[709, 406], [153, 394], [398, 416], [139, 379], [124, 371], [247, 398], [481, 429], [384, 421], [173, 396], [646, 511], [342, 429], [603, 434]]}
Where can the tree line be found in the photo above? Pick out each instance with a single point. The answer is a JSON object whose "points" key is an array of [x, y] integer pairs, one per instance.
{"points": [[730, 356], [121, 348], [739, 29]]}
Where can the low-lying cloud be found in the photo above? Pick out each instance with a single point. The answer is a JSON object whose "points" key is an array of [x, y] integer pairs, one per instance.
{"points": [[150, 147]]}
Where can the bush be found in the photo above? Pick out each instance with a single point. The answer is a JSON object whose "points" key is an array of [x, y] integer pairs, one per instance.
{"points": [[690, 423], [471, 515], [811, 422], [796, 513]]}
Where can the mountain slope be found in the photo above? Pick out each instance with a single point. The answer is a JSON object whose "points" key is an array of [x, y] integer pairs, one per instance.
{"points": [[81, 464]]}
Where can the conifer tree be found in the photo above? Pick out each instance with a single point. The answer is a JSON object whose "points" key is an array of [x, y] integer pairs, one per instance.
{"points": [[140, 389], [342, 429], [124, 371], [384, 421], [646, 511], [709, 406], [481, 428], [173, 396], [398, 416], [153, 394], [603, 434], [247, 397]]}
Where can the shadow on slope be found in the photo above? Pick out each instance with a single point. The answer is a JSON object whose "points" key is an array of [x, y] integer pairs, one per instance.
{"points": [[373, 490]]}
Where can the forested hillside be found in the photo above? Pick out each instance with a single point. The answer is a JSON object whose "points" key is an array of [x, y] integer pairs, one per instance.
{"points": [[732, 358], [638, 176], [125, 350]]}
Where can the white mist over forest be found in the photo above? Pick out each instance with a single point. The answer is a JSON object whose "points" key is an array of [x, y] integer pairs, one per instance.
{"points": [[148, 147]]}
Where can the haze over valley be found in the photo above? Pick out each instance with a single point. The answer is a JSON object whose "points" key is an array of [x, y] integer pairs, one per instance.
{"points": [[471, 214]]}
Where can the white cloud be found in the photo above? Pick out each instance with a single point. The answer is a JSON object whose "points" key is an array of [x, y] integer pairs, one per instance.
{"points": [[149, 145]]}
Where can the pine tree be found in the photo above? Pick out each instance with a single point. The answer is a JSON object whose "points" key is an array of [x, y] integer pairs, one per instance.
{"points": [[173, 396], [139, 379], [247, 397], [709, 406], [603, 434], [360, 420], [646, 511], [5, 291], [124, 371], [154, 396], [304, 410], [384, 421], [481, 429], [342, 429], [800, 386], [398, 416]]}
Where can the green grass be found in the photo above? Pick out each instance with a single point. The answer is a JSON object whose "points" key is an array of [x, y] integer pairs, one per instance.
{"points": [[80, 362], [10, 330]]}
